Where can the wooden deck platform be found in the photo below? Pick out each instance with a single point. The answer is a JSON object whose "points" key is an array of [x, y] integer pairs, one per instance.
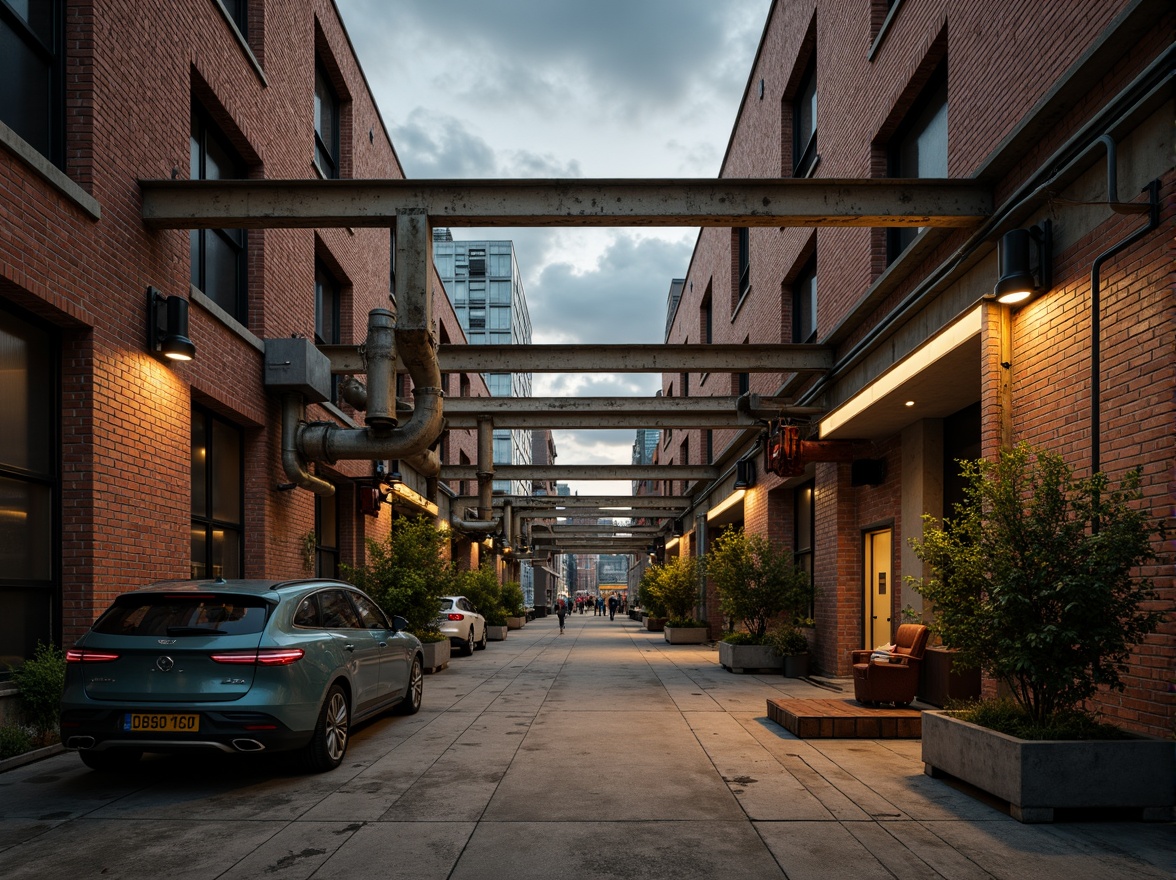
{"points": [[844, 719]]}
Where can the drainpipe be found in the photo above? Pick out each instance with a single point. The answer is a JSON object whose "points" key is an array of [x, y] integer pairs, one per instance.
{"points": [[485, 524], [292, 460]]}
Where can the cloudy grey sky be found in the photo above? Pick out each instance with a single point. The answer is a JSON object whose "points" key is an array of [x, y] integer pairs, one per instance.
{"points": [[567, 88]]}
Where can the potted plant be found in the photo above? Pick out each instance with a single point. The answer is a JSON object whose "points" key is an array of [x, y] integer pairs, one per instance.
{"points": [[407, 575], [1034, 579], [790, 643], [481, 587], [654, 611], [756, 582], [676, 587], [513, 602]]}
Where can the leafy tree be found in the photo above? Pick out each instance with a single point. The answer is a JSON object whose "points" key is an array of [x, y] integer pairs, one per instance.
{"points": [[1035, 578], [647, 596], [756, 581], [407, 573]]}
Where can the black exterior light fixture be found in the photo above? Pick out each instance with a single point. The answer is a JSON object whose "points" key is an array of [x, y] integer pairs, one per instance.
{"points": [[1020, 280], [167, 326], [744, 473]]}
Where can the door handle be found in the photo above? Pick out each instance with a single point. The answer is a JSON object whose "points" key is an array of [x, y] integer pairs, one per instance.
{"points": [[873, 617], [383, 644], [349, 647]]}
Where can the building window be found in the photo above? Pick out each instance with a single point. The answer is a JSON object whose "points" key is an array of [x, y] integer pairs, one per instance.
{"points": [[218, 256], [804, 304], [709, 437], [804, 124], [326, 531], [31, 102], [327, 297], [706, 321], [29, 589], [326, 125], [238, 11], [919, 149], [218, 476], [804, 519], [742, 384], [742, 264]]}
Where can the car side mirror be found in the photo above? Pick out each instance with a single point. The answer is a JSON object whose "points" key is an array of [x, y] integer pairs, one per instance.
{"points": [[399, 624]]}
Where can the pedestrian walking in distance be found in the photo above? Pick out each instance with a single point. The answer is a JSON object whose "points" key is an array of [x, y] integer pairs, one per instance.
{"points": [[612, 607], [561, 611]]}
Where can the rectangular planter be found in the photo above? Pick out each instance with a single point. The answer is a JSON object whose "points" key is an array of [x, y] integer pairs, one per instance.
{"points": [[796, 665], [1037, 777], [750, 658], [685, 635], [515, 622], [436, 655], [496, 633], [655, 624]]}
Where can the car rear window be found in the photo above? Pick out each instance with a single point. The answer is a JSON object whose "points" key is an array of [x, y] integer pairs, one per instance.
{"points": [[183, 614]]}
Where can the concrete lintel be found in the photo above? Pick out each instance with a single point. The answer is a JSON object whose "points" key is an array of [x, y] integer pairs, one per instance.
{"points": [[272, 204]]}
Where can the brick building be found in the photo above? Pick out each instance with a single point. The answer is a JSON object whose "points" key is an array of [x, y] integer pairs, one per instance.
{"points": [[117, 467], [1053, 106]]}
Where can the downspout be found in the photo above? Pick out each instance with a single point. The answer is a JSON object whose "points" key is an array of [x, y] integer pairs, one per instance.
{"points": [[1153, 209], [485, 524]]}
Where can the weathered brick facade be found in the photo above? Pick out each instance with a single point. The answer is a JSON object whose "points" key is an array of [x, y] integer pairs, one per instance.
{"points": [[77, 259], [1030, 88]]}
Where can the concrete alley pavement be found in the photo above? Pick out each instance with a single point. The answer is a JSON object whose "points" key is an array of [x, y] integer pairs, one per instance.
{"points": [[599, 753]]}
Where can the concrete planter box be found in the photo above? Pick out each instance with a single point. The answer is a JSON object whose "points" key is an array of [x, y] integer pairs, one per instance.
{"points": [[515, 622], [655, 624], [750, 658], [496, 633], [685, 635], [436, 655], [1039, 777], [942, 679]]}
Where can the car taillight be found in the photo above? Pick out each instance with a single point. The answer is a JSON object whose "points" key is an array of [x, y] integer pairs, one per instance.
{"points": [[262, 657], [81, 655], [457, 617]]}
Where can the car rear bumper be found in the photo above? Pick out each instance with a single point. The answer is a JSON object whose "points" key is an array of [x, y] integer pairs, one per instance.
{"points": [[225, 731]]}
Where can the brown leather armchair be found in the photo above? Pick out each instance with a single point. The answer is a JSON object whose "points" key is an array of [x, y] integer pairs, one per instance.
{"points": [[895, 679]]}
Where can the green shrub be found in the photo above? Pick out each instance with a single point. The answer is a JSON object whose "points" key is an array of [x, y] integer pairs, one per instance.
{"points": [[1007, 717], [513, 600], [41, 681], [787, 640], [647, 598], [676, 588], [1034, 578], [756, 581], [14, 740], [481, 587], [742, 638], [407, 574]]}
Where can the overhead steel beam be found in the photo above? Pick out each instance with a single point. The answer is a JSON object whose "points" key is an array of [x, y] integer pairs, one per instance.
{"points": [[600, 514], [584, 472], [462, 413], [304, 204], [613, 358], [624, 502], [589, 529]]}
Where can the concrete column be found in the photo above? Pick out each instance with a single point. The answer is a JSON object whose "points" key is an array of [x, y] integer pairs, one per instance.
{"points": [[922, 492]]}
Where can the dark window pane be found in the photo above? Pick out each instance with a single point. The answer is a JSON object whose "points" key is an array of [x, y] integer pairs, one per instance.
{"points": [[199, 551], [326, 307], [26, 430], [25, 99], [226, 553], [326, 125], [369, 614], [308, 613], [162, 615], [27, 619], [337, 611], [226, 482], [26, 530], [199, 466]]}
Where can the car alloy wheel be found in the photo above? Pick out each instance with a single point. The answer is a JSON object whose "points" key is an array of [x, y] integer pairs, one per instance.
{"points": [[328, 744], [481, 644], [416, 689], [469, 644]]}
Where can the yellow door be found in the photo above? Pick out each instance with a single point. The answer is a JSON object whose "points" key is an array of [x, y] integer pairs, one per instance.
{"points": [[878, 588]]}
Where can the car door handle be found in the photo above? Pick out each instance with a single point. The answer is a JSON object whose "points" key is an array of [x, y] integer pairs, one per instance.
{"points": [[349, 647], [383, 644]]}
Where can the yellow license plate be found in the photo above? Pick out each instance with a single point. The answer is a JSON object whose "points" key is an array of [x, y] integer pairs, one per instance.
{"points": [[141, 722]]}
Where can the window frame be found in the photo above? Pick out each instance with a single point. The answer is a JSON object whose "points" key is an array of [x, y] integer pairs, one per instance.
{"points": [[236, 240], [801, 292], [206, 520], [918, 120], [331, 152], [53, 57], [804, 155]]}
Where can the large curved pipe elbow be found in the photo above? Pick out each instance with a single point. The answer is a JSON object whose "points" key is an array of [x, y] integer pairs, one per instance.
{"points": [[292, 460]]}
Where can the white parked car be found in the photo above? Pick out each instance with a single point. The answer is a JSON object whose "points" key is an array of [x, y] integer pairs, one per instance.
{"points": [[465, 627]]}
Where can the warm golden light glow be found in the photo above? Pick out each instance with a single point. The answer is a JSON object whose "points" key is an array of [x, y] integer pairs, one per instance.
{"points": [[1014, 296], [410, 496], [726, 504]]}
